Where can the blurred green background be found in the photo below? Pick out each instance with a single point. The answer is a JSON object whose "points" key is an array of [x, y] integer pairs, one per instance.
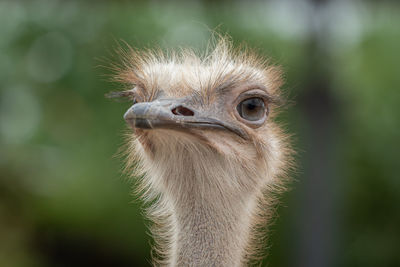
{"points": [[63, 199]]}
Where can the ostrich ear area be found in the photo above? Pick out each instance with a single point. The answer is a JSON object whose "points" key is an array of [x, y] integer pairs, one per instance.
{"points": [[175, 115]]}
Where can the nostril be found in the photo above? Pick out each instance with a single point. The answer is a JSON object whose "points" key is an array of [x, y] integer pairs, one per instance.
{"points": [[182, 111]]}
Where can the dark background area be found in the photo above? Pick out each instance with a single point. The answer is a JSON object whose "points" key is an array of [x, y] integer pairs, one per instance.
{"points": [[63, 199]]}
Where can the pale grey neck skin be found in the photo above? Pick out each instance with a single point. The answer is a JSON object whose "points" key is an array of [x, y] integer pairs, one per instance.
{"points": [[211, 201], [210, 236]]}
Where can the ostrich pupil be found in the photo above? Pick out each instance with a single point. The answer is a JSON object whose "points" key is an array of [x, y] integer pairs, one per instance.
{"points": [[252, 109]]}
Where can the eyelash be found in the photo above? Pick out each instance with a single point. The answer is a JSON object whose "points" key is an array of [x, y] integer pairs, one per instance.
{"points": [[267, 99]]}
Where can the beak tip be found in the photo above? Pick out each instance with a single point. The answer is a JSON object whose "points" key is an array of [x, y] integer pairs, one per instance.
{"points": [[129, 119], [135, 122], [127, 115]]}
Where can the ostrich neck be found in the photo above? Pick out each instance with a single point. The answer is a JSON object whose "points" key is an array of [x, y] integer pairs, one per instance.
{"points": [[208, 237], [212, 225]]}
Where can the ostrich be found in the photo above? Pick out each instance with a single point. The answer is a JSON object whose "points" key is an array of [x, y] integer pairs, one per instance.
{"points": [[204, 142]]}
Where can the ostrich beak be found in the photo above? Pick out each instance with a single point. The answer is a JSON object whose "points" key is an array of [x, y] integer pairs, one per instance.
{"points": [[168, 114]]}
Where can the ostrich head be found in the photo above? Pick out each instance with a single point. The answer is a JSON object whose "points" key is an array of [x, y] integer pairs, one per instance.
{"points": [[204, 141]]}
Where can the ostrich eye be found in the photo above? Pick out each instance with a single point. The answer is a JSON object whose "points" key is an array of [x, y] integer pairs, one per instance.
{"points": [[251, 109]]}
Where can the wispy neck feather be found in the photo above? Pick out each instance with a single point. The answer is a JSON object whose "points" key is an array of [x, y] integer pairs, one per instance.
{"points": [[207, 203]]}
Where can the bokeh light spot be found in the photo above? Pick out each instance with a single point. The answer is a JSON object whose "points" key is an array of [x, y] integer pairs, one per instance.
{"points": [[19, 115], [50, 57]]}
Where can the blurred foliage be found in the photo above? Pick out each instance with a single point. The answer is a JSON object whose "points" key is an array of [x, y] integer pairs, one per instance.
{"points": [[63, 199]]}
